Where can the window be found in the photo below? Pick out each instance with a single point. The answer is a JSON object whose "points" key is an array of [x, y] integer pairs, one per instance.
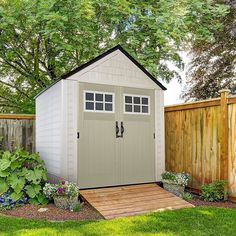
{"points": [[95, 101], [136, 104]]}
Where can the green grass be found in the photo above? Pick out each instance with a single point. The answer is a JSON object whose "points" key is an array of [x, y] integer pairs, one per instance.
{"points": [[194, 221]]}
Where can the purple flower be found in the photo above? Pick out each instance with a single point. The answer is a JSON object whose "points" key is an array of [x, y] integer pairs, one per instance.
{"points": [[63, 182]]}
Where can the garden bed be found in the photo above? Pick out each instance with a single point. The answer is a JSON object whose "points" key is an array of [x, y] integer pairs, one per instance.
{"points": [[53, 213], [200, 202]]}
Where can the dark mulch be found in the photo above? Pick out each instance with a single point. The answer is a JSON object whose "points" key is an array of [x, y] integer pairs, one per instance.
{"points": [[200, 202], [31, 211]]}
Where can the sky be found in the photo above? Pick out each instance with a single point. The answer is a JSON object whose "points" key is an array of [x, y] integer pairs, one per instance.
{"points": [[173, 92]]}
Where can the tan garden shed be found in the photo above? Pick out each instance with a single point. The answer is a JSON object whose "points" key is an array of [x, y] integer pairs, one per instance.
{"points": [[102, 124]]}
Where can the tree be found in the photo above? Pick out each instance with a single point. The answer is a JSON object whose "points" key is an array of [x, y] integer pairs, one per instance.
{"points": [[40, 40], [213, 63]]}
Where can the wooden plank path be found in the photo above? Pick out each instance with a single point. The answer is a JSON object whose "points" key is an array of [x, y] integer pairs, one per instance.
{"points": [[132, 200]]}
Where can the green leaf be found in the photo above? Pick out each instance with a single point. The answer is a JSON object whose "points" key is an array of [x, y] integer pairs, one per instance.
{"points": [[4, 164], [42, 199], [4, 173], [32, 190], [6, 155], [3, 186], [16, 196], [34, 201], [15, 165], [34, 175]]}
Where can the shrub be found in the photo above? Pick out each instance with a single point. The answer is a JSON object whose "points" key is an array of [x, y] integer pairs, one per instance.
{"points": [[214, 191], [22, 175], [63, 188], [186, 196], [176, 178]]}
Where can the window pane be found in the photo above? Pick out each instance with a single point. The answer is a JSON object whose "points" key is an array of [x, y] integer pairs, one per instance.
{"points": [[89, 96], [136, 108], [128, 99], [89, 106], [136, 100], [145, 101], [99, 106], [108, 98], [108, 107], [144, 109], [128, 108], [99, 97]]}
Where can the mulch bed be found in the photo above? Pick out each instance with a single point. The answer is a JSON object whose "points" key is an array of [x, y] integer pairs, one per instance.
{"points": [[200, 202], [54, 214], [86, 213]]}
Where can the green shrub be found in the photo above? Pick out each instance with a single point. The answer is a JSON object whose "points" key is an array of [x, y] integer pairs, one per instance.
{"points": [[186, 196], [77, 208], [214, 191], [22, 175]]}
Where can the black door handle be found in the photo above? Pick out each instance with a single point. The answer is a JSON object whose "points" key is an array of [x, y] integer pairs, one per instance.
{"points": [[122, 129], [117, 130]]}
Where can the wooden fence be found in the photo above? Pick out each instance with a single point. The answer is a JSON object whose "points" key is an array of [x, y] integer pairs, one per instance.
{"points": [[200, 139], [17, 130]]}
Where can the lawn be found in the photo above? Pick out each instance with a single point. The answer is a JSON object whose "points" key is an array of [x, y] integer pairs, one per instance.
{"points": [[194, 221]]}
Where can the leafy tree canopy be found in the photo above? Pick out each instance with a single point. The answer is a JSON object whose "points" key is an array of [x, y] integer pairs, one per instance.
{"points": [[213, 65], [40, 40]]}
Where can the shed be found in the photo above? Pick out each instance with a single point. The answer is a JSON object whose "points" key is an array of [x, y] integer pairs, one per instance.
{"points": [[102, 124]]}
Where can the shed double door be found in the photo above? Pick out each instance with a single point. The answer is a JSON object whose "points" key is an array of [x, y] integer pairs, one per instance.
{"points": [[116, 136]]}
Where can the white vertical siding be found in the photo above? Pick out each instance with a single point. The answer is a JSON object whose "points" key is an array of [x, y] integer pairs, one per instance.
{"points": [[49, 128], [160, 133], [70, 119]]}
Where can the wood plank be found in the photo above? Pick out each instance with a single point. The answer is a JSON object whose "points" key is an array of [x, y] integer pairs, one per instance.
{"points": [[17, 116], [132, 200], [144, 211]]}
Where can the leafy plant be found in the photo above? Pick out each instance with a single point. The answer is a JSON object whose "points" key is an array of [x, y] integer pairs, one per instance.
{"points": [[63, 188], [186, 196], [177, 178], [22, 175], [214, 191], [76, 208]]}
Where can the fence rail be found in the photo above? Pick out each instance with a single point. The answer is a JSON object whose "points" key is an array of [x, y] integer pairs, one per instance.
{"points": [[200, 139], [17, 130]]}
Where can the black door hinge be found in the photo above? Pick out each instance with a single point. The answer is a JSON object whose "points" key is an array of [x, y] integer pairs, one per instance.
{"points": [[77, 135], [154, 136]]}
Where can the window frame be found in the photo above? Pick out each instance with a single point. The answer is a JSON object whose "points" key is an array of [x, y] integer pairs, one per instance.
{"points": [[103, 102], [132, 104]]}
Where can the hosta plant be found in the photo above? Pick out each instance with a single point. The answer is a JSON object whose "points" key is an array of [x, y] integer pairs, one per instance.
{"points": [[22, 175]]}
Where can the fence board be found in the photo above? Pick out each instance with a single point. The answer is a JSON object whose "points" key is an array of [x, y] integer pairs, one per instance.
{"points": [[200, 139], [17, 131]]}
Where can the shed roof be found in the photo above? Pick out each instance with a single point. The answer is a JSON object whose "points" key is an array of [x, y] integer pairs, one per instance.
{"points": [[118, 47]]}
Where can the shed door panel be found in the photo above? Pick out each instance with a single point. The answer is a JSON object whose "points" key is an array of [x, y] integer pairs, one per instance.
{"points": [[97, 163], [138, 150], [104, 159]]}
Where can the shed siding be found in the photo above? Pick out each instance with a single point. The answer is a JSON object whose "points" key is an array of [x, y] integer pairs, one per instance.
{"points": [[117, 70], [70, 115], [49, 128], [159, 133]]}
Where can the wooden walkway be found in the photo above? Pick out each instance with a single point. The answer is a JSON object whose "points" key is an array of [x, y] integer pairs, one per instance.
{"points": [[132, 200]]}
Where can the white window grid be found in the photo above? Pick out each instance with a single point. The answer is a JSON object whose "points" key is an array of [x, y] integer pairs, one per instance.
{"points": [[103, 101], [133, 104]]}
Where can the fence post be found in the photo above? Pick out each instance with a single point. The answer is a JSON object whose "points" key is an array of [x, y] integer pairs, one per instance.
{"points": [[224, 134]]}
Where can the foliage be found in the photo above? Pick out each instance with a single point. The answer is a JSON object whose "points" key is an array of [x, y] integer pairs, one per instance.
{"points": [[76, 208], [40, 40], [186, 196], [22, 175], [214, 191], [177, 178], [197, 221], [63, 188], [6, 202], [213, 63]]}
